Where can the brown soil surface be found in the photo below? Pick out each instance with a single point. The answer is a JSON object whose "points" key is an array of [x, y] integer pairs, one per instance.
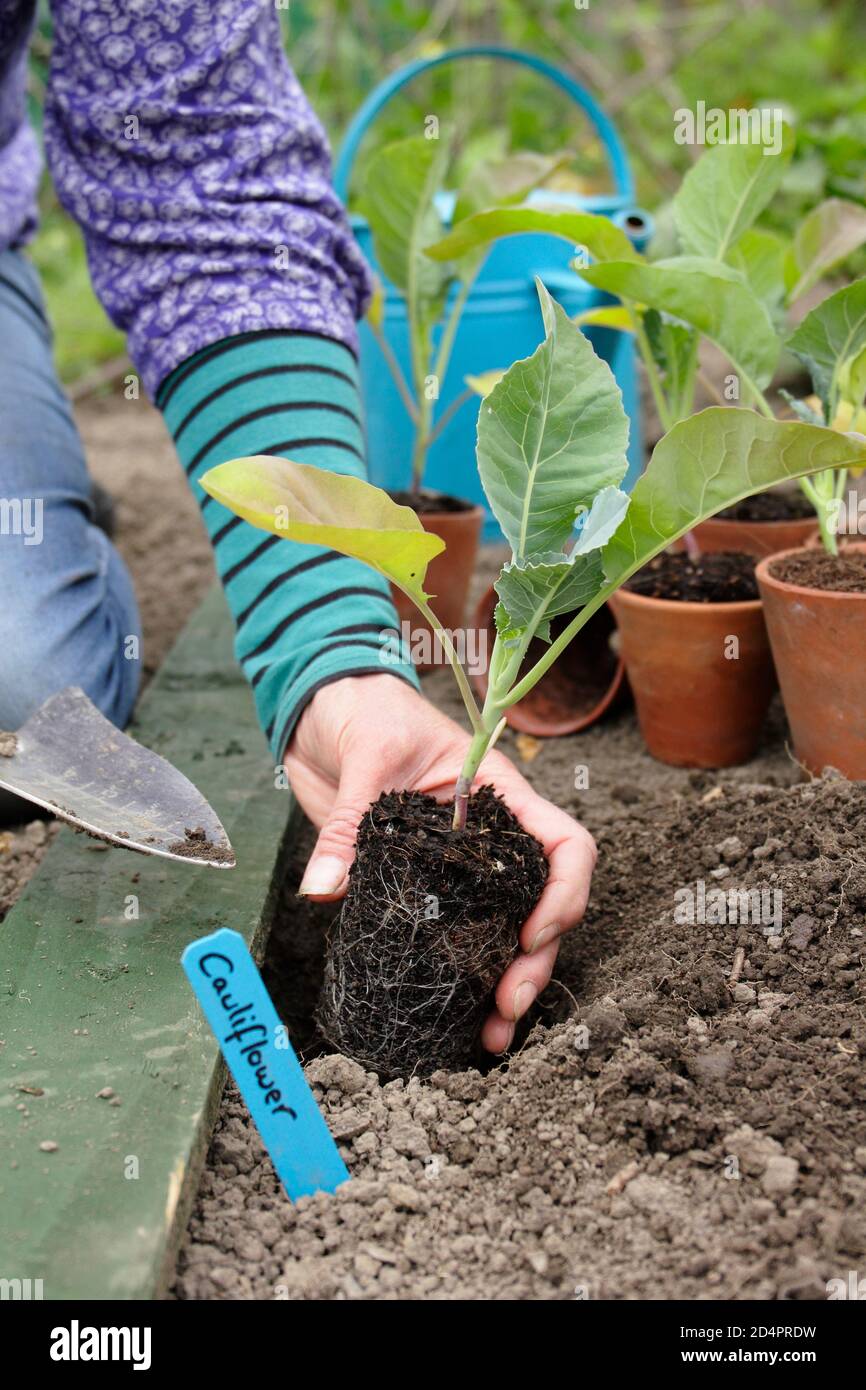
{"points": [[723, 577], [815, 569], [661, 1133], [431, 503], [664, 1132], [770, 506]]}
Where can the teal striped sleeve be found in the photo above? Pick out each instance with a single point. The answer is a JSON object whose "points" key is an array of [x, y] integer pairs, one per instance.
{"points": [[304, 615]]}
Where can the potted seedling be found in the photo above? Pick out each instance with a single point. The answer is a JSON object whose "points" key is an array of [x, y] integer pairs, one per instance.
{"points": [[438, 893], [815, 597], [402, 192], [730, 283]]}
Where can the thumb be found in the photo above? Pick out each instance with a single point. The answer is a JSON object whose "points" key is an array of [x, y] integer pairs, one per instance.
{"points": [[327, 871]]}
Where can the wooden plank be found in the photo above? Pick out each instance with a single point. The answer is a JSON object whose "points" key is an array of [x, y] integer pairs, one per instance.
{"points": [[90, 998]]}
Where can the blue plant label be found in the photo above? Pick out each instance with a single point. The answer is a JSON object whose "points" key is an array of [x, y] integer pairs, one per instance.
{"points": [[262, 1061]]}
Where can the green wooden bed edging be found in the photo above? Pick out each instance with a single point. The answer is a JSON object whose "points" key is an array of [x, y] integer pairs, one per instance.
{"points": [[91, 997]]}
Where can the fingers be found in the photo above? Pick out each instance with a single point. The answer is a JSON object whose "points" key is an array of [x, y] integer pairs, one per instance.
{"points": [[518, 989], [571, 856], [327, 871]]}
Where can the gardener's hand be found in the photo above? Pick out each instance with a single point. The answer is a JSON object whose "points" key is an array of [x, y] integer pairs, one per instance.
{"points": [[367, 734]]}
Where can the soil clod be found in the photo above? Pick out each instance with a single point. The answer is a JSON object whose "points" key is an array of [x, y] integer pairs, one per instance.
{"points": [[430, 922], [717, 577]]}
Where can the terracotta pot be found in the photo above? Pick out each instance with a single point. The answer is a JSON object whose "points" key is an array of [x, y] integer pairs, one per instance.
{"points": [[753, 537], [819, 645], [449, 574], [580, 687], [697, 706]]}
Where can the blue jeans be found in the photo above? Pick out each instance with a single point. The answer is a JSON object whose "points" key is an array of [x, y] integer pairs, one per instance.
{"points": [[68, 614]]}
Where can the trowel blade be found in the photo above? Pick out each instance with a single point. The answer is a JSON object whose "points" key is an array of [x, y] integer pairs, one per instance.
{"points": [[71, 760]]}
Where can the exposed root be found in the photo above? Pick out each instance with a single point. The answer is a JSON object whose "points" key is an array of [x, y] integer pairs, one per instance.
{"points": [[429, 924]]}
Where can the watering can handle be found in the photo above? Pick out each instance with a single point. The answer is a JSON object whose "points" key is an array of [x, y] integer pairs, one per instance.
{"points": [[382, 94]]}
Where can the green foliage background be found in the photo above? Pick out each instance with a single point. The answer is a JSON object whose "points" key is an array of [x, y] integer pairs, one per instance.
{"points": [[642, 58]]}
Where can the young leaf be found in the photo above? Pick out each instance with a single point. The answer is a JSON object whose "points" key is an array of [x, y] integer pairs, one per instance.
{"points": [[303, 503], [551, 434], [759, 256], [402, 179], [605, 316], [827, 236], [484, 382], [498, 183], [542, 588], [598, 235], [533, 593], [710, 461], [723, 194], [830, 337], [706, 294], [494, 183]]}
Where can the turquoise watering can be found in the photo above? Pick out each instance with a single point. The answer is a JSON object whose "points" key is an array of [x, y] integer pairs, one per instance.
{"points": [[501, 320]]}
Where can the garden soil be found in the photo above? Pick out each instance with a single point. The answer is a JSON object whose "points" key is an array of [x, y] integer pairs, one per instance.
{"points": [[684, 1115]]}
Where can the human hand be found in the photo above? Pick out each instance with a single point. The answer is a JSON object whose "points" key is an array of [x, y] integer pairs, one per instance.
{"points": [[363, 735]]}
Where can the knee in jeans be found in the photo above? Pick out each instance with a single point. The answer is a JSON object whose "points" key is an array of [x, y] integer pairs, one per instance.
{"points": [[35, 664]]}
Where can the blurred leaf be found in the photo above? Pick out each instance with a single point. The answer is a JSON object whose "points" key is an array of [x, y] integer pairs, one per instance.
{"points": [[302, 503], [597, 235], [710, 461], [827, 236], [710, 296], [605, 316], [830, 338], [484, 382], [723, 194], [759, 256]]}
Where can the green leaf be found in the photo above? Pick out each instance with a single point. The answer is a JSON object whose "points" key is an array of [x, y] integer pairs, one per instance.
{"points": [[829, 338], [802, 409], [492, 183], [401, 181], [551, 434], [499, 182], [706, 294], [534, 593], [723, 194], [827, 236], [671, 344], [585, 230], [484, 382], [302, 503], [605, 316], [759, 256], [552, 584], [710, 461]]}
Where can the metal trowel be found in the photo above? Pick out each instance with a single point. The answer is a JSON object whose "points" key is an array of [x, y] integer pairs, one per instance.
{"points": [[69, 759]]}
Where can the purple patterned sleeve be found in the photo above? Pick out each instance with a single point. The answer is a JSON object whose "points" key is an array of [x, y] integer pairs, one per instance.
{"points": [[179, 138], [19, 153]]}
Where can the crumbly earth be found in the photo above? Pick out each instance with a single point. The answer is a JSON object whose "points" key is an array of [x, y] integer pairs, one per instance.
{"points": [[663, 1131]]}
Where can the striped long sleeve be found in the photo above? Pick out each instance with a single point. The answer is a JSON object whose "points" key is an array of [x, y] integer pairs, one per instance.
{"points": [[304, 615]]}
